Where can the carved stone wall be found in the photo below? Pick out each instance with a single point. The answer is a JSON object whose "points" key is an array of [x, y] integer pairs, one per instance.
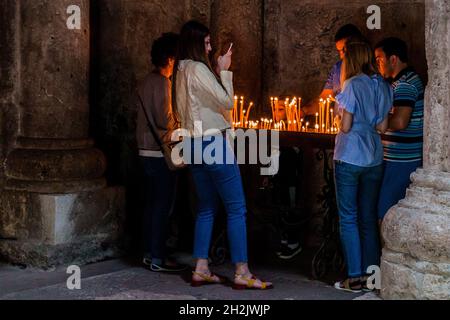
{"points": [[416, 258]]}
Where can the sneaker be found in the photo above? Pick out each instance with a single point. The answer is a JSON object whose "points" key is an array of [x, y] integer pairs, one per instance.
{"points": [[290, 251], [167, 268], [281, 246], [147, 261]]}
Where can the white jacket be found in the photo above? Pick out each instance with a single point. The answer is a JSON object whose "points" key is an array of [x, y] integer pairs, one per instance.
{"points": [[201, 98]]}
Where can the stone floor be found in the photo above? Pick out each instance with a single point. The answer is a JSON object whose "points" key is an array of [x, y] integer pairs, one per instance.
{"points": [[125, 279]]}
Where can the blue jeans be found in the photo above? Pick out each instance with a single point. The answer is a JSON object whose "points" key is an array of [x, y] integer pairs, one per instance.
{"points": [[357, 190], [215, 182], [160, 191], [395, 182]]}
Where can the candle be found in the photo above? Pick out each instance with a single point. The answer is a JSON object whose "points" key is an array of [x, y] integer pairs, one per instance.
{"points": [[248, 110], [235, 109], [327, 115], [317, 118], [331, 120], [272, 107], [241, 114], [275, 109], [319, 122], [322, 123]]}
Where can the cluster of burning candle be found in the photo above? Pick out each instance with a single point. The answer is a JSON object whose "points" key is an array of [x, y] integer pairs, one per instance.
{"points": [[292, 109], [286, 116], [325, 117], [240, 115]]}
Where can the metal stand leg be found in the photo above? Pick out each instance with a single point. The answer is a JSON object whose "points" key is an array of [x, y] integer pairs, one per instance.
{"points": [[329, 256]]}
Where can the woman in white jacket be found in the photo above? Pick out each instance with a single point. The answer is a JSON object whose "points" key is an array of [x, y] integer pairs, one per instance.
{"points": [[202, 103]]}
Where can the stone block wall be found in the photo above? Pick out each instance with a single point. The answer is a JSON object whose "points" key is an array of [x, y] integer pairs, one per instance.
{"points": [[280, 47], [299, 48]]}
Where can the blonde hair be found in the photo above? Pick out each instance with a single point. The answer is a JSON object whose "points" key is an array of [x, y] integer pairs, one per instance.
{"points": [[358, 58]]}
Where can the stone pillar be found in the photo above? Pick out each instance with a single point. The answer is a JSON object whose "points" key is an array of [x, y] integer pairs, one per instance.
{"points": [[241, 22], [416, 258], [55, 207], [8, 65]]}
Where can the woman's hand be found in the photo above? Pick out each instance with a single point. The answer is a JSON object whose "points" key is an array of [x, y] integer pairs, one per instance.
{"points": [[224, 62]]}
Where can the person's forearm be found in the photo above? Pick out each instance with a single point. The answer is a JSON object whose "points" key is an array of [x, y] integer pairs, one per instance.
{"points": [[383, 126], [396, 124]]}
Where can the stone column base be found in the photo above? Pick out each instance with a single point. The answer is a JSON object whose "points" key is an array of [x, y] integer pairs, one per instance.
{"points": [[416, 258], [44, 230]]}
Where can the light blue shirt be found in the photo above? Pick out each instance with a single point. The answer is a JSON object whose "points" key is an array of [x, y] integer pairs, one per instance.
{"points": [[369, 100]]}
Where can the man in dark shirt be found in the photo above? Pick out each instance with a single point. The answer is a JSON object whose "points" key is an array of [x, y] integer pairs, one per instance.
{"points": [[333, 85], [160, 182], [403, 142]]}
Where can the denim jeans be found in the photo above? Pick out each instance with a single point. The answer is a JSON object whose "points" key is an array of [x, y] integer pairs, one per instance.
{"points": [[219, 182], [396, 180], [159, 197], [357, 190]]}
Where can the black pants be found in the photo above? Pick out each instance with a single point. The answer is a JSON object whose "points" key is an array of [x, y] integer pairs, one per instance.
{"points": [[159, 197]]}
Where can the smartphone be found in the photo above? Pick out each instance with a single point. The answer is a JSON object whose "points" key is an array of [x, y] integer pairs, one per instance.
{"points": [[231, 46]]}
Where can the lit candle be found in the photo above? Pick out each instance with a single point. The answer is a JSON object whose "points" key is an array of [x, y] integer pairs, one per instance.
{"points": [[322, 123], [241, 114], [331, 120], [276, 108], [272, 101], [235, 109], [320, 113], [248, 111]]}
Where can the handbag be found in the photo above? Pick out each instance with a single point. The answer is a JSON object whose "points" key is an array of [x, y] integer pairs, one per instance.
{"points": [[166, 148]]}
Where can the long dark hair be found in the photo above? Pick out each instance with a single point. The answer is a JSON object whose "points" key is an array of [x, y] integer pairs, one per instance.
{"points": [[191, 47], [192, 42]]}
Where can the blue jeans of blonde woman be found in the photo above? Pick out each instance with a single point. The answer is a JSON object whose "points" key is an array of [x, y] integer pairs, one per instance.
{"points": [[357, 190], [214, 183]]}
